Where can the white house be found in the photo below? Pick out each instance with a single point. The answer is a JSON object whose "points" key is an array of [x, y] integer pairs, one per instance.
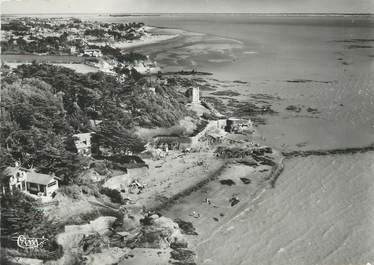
{"points": [[73, 49], [31, 182], [105, 67], [93, 52], [147, 67], [82, 142]]}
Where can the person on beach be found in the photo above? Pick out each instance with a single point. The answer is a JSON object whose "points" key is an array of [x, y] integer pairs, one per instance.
{"points": [[208, 201], [195, 214]]}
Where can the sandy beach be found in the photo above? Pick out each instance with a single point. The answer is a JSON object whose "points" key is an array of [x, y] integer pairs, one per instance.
{"points": [[143, 41], [170, 176]]}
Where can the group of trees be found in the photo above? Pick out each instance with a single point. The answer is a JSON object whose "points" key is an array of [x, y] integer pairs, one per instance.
{"points": [[21, 215], [44, 105], [119, 31], [116, 53], [99, 33], [127, 26], [34, 128], [21, 28], [14, 25], [51, 45]]}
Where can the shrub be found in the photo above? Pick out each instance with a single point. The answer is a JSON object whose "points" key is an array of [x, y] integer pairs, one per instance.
{"points": [[71, 191], [21, 215], [90, 190], [101, 167], [187, 228], [114, 195], [209, 116]]}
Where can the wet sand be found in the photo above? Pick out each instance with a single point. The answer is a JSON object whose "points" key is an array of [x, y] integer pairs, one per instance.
{"points": [[321, 212]]}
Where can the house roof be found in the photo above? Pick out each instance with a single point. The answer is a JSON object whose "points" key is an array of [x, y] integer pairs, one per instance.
{"points": [[79, 138], [82, 136], [32, 176], [171, 139], [39, 178]]}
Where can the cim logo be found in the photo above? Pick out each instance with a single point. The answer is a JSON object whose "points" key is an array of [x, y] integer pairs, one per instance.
{"points": [[30, 243]]}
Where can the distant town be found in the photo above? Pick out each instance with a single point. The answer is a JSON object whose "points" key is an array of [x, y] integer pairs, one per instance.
{"points": [[95, 43]]}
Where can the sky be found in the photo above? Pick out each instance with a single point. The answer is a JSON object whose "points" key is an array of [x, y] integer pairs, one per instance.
{"points": [[186, 6]]}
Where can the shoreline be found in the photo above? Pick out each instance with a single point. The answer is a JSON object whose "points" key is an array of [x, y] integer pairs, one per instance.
{"points": [[154, 38], [172, 208], [150, 40], [275, 173]]}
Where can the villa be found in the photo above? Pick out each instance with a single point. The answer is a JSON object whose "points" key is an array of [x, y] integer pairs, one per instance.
{"points": [[31, 182]]}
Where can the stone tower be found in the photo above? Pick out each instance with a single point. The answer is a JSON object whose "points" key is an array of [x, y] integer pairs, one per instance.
{"points": [[193, 94], [195, 97]]}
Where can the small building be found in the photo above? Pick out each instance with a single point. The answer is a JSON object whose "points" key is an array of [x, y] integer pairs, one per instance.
{"points": [[73, 50], [94, 124], [152, 90], [147, 67], [82, 142], [104, 66], [236, 125], [31, 182], [92, 52], [193, 94]]}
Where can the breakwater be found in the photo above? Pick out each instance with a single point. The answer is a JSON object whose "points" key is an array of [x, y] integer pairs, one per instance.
{"points": [[338, 151]]}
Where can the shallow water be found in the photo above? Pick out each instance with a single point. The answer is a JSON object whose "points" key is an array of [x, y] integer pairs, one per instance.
{"points": [[269, 51], [321, 212]]}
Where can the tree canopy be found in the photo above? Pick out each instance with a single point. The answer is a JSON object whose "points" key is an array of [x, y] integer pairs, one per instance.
{"points": [[21, 215], [44, 105]]}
